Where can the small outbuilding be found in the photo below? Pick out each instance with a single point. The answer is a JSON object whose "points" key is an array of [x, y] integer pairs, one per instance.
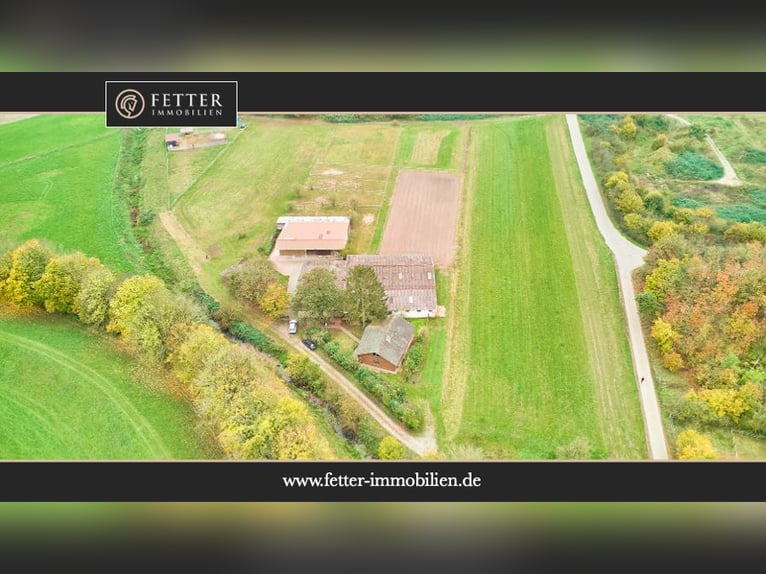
{"points": [[171, 140], [385, 346]]}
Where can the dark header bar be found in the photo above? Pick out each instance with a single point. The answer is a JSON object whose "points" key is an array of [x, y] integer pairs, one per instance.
{"points": [[415, 92], [242, 481]]}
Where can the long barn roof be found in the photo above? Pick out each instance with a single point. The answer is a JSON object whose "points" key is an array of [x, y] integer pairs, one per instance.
{"points": [[313, 235], [408, 280]]}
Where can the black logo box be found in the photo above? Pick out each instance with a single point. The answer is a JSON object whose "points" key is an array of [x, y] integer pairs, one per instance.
{"points": [[172, 104]]}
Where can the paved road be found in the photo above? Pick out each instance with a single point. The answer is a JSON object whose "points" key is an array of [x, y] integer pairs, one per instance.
{"points": [[421, 444], [729, 175], [628, 257]]}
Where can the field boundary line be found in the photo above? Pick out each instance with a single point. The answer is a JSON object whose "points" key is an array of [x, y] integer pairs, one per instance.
{"points": [[223, 150], [53, 151], [455, 375]]}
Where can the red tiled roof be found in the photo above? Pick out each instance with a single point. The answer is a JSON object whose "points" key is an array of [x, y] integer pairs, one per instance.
{"points": [[313, 235]]}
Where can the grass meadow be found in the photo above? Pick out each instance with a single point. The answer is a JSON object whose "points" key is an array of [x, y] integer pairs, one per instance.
{"points": [[66, 393], [56, 178], [537, 349]]}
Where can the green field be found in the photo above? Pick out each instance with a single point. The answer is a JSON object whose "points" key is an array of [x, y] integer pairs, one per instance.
{"points": [[538, 353], [66, 393], [56, 181]]}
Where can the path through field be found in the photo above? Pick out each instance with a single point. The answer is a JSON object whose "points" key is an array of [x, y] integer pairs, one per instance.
{"points": [[193, 252], [628, 257]]}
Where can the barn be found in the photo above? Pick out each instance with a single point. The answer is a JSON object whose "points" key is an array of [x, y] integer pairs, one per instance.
{"points": [[301, 236], [409, 281], [384, 347]]}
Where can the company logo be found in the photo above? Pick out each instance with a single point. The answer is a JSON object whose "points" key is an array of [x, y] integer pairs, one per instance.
{"points": [[171, 104], [129, 104]]}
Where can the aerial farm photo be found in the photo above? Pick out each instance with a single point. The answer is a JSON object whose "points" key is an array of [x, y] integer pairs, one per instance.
{"points": [[396, 287]]}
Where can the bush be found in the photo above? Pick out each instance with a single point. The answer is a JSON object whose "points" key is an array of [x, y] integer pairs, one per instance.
{"points": [[207, 301], [319, 334], [742, 212], [267, 246], [691, 165], [753, 155], [753, 231], [249, 334]]}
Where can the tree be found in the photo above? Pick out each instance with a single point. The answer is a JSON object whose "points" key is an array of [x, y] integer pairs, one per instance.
{"points": [[648, 305], [27, 265], [191, 354], [663, 334], [127, 300], [365, 298], [692, 445], [60, 284], [304, 373], [390, 449], [275, 300], [626, 128], [660, 141], [157, 320], [672, 361], [661, 229], [655, 202], [628, 201], [251, 279], [317, 296], [92, 300]]}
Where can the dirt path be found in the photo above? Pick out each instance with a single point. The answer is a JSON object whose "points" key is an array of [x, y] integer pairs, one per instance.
{"points": [[729, 175], [628, 257], [422, 444], [191, 250]]}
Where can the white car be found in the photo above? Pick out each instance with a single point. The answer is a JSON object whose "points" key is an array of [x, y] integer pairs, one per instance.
{"points": [[292, 327]]}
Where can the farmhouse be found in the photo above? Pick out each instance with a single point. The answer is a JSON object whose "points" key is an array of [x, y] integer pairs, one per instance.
{"points": [[384, 347], [311, 235], [408, 280]]}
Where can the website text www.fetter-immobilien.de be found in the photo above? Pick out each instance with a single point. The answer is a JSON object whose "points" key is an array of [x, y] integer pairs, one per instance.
{"points": [[429, 479]]}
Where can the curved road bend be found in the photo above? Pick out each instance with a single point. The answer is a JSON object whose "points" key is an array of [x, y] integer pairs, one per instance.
{"points": [[422, 445], [628, 257]]}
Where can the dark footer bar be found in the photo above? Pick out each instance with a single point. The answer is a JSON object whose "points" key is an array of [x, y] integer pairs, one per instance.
{"points": [[245, 481]]}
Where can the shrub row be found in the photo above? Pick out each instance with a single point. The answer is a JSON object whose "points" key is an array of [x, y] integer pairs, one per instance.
{"points": [[389, 392]]}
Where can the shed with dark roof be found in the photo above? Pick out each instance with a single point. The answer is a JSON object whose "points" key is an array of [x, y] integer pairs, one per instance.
{"points": [[384, 346]]}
